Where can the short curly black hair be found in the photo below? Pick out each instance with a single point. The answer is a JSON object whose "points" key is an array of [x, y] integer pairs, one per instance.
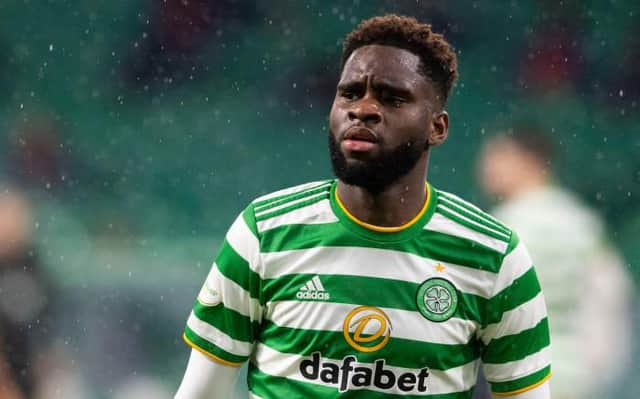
{"points": [[437, 57]]}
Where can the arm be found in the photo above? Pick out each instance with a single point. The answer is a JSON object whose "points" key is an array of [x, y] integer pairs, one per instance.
{"points": [[206, 379], [540, 392], [8, 386], [609, 339], [515, 333], [225, 319]]}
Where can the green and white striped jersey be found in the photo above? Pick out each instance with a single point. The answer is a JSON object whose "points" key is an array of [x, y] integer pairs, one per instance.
{"points": [[325, 306]]}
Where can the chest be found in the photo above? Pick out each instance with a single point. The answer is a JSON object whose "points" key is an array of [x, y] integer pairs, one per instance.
{"points": [[371, 296]]}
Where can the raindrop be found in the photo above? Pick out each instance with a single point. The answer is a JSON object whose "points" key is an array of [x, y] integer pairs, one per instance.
{"points": [[51, 47]]}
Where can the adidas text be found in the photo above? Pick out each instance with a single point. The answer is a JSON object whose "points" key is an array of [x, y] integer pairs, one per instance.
{"points": [[323, 296]]}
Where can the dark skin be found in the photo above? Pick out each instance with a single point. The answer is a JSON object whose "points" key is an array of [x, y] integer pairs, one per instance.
{"points": [[382, 102]]}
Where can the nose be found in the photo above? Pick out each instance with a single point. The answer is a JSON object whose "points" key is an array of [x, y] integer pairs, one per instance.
{"points": [[366, 110]]}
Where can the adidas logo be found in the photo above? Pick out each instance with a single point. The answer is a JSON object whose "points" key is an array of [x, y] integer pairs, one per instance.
{"points": [[313, 289]]}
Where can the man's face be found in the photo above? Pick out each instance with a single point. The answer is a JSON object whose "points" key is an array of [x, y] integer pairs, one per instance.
{"points": [[381, 117], [503, 167]]}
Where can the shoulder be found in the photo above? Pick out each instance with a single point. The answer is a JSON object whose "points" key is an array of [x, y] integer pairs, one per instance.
{"points": [[283, 194], [456, 217], [304, 203]]}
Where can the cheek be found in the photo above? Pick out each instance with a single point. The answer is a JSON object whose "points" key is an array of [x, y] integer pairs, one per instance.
{"points": [[414, 123], [335, 117]]}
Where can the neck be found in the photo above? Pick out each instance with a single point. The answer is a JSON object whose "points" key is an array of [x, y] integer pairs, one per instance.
{"points": [[396, 205]]}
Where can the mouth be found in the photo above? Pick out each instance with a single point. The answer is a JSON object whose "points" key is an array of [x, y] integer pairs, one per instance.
{"points": [[359, 139]]}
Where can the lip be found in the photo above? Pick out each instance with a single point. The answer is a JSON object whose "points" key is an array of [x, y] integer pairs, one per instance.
{"points": [[359, 139], [360, 133]]}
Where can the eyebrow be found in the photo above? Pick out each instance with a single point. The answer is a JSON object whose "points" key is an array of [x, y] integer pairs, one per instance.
{"points": [[349, 84], [395, 87], [378, 84]]}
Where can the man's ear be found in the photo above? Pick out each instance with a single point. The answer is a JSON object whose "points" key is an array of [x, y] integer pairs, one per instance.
{"points": [[439, 129]]}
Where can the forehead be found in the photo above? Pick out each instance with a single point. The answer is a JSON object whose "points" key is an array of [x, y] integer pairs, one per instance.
{"points": [[383, 62]]}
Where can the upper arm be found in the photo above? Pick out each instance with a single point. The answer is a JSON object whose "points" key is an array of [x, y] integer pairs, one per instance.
{"points": [[206, 379], [226, 315], [516, 353], [541, 391]]}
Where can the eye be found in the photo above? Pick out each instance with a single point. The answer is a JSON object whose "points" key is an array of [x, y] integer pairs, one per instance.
{"points": [[397, 101], [349, 95], [392, 99]]}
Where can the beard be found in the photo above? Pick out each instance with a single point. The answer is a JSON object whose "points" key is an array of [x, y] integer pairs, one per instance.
{"points": [[377, 174]]}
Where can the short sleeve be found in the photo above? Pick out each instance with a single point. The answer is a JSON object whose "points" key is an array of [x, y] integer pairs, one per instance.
{"points": [[227, 313], [516, 352]]}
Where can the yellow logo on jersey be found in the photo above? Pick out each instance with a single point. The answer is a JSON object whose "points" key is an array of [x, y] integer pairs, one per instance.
{"points": [[367, 329]]}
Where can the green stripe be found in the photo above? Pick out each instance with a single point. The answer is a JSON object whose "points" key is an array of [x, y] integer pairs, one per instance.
{"points": [[232, 323], [522, 290], [363, 290], [520, 383], [292, 207], [473, 216], [398, 352], [271, 202], [250, 220], [428, 244], [513, 243], [471, 226], [475, 210], [211, 348], [518, 346], [272, 387], [236, 268]]}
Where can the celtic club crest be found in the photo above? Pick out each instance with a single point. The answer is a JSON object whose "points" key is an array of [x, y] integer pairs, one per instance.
{"points": [[437, 299]]}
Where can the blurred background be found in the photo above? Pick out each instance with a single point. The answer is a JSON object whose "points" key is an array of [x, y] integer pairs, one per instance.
{"points": [[133, 132]]}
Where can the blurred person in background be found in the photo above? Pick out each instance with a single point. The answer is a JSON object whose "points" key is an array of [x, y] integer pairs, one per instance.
{"points": [[32, 363], [24, 293], [586, 286]]}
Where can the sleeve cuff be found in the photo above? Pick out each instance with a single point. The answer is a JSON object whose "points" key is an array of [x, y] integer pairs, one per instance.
{"points": [[211, 351], [521, 385]]}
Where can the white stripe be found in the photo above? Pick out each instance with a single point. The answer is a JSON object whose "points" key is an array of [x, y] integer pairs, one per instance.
{"points": [[233, 295], [317, 213], [292, 190], [208, 332], [287, 200], [513, 266], [290, 203], [253, 396], [310, 286], [275, 363], [244, 243], [473, 222], [517, 320], [443, 224], [479, 211], [329, 316], [318, 283], [479, 214], [517, 369], [377, 263]]}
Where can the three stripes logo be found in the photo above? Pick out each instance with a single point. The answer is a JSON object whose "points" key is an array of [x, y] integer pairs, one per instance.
{"points": [[314, 290]]}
